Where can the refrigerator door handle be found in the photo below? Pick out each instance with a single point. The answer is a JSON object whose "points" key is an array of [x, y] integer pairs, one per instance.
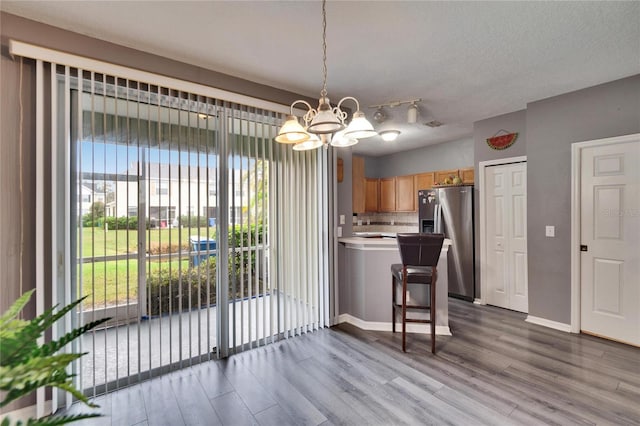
{"points": [[436, 219]]}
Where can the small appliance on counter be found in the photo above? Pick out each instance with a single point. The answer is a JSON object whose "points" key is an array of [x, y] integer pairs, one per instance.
{"points": [[449, 210]]}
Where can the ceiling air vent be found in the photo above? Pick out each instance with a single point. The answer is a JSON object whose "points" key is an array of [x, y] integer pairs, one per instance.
{"points": [[434, 123]]}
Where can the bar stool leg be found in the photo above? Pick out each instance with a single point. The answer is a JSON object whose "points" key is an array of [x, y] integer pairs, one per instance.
{"points": [[432, 311], [393, 304], [404, 310]]}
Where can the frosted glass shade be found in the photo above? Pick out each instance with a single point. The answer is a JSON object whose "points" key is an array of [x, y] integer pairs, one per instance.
{"points": [[324, 122], [312, 143], [340, 140], [292, 131], [359, 128]]}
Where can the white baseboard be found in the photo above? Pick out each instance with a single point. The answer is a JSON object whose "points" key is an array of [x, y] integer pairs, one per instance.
{"points": [[26, 413], [441, 330], [548, 323], [478, 302]]}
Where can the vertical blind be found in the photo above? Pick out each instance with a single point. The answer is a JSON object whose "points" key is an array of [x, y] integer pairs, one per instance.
{"points": [[174, 213]]}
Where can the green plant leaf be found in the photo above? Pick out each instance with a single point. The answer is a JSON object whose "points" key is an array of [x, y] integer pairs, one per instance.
{"points": [[24, 378], [60, 420], [30, 333], [54, 346], [79, 395], [15, 309], [26, 366]]}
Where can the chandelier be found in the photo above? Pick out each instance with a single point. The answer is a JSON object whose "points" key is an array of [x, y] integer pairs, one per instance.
{"points": [[325, 124]]}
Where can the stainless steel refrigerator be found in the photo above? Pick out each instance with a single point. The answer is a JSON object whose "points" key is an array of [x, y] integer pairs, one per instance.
{"points": [[453, 216]]}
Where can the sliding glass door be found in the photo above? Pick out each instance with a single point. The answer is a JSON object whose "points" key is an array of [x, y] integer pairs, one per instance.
{"points": [[183, 222]]}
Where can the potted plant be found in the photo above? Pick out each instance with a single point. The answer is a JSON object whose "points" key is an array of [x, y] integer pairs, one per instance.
{"points": [[26, 366]]}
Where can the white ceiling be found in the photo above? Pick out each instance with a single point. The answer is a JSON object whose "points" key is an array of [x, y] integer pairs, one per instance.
{"points": [[466, 60]]}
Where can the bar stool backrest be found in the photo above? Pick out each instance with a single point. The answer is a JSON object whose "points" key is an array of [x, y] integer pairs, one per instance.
{"points": [[419, 249]]}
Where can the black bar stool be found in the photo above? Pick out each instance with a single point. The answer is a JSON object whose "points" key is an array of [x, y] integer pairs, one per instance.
{"points": [[419, 254]]}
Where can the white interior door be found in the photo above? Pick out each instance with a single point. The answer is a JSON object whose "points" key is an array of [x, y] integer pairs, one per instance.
{"points": [[506, 224], [610, 234]]}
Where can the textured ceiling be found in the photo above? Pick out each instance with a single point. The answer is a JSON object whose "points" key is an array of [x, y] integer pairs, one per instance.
{"points": [[466, 60]]}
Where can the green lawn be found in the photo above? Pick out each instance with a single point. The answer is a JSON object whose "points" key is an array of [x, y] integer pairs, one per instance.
{"points": [[113, 281], [98, 242], [110, 280]]}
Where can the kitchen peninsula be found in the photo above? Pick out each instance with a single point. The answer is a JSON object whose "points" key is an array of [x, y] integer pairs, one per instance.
{"points": [[364, 268]]}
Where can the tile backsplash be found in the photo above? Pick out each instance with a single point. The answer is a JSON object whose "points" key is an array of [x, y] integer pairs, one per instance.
{"points": [[385, 222]]}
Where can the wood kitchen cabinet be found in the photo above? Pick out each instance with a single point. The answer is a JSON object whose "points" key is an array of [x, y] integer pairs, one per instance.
{"points": [[371, 191], [441, 175], [425, 181], [467, 175], [406, 193], [387, 201], [358, 185]]}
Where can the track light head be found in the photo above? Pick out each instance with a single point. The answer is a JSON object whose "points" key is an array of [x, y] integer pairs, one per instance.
{"points": [[412, 113], [379, 116]]}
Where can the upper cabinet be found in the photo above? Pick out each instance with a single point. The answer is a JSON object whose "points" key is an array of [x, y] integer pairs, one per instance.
{"points": [[467, 175], [358, 189], [398, 193], [441, 175], [406, 193], [387, 202], [424, 181], [371, 194]]}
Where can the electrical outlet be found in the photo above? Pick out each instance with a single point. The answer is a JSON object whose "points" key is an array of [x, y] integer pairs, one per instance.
{"points": [[392, 222], [368, 221], [359, 223], [341, 219], [550, 231], [339, 231]]}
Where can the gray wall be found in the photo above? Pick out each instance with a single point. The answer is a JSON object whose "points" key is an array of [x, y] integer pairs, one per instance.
{"points": [[47, 36], [512, 122], [553, 124], [448, 155]]}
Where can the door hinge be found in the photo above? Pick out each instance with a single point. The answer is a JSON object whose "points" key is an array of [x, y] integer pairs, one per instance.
{"points": [[584, 247]]}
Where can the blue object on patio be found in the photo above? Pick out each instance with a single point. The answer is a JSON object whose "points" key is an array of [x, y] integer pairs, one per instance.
{"points": [[212, 221], [201, 244]]}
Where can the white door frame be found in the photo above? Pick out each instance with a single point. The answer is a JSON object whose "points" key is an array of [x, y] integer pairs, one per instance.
{"points": [[483, 213], [576, 214]]}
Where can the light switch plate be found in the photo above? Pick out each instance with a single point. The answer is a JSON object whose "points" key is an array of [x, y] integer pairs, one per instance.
{"points": [[341, 219], [339, 231], [550, 231]]}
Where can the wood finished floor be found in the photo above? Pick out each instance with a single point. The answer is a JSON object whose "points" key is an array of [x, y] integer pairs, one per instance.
{"points": [[496, 369]]}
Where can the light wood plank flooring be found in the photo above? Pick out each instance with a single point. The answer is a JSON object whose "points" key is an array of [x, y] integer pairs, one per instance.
{"points": [[496, 369]]}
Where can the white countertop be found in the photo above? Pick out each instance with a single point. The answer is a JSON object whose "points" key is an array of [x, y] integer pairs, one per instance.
{"points": [[369, 242], [376, 242]]}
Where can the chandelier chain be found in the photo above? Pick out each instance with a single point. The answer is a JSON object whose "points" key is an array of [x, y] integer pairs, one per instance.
{"points": [[323, 92]]}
